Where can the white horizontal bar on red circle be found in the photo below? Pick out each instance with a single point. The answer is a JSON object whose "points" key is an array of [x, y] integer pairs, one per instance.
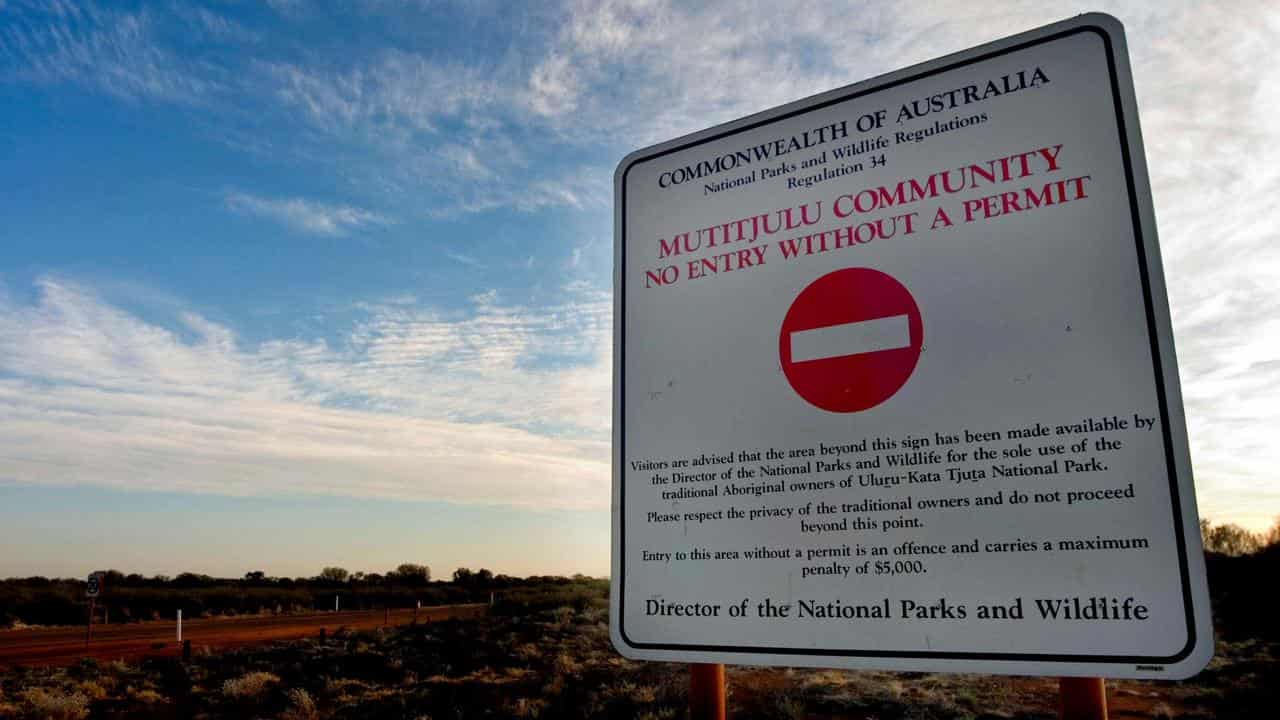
{"points": [[855, 338]]}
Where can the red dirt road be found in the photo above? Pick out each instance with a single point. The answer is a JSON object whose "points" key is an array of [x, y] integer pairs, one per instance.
{"points": [[63, 646]]}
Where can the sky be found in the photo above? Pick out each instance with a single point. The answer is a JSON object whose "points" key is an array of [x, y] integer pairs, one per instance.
{"points": [[294, 284]]}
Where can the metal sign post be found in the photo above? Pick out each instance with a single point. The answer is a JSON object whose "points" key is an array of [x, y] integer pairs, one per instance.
{"points": [[706, 691], [1082, 699], [88, 631], [92, 588]]}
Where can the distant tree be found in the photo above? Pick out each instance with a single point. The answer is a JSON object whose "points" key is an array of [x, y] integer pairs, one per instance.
{"points": [[1229, 539], [483, 577], [462, 575], [255, 576], [1272, 538], [413, 574], [334, 574], [190, 580]]}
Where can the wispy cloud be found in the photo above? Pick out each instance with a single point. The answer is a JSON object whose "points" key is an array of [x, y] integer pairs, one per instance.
{"points": [[306, 215], [464, 259], [417, 406], [213, 26], [394, 91], [104, 49], [540, 123]]}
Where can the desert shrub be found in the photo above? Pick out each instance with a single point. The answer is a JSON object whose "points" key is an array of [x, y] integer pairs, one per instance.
{"points": [[552, 593], [249, 686], [146, 696], [1241, 609], [301, 706], [563, 616], [564, 664], [528, 707], [788, 705], [49, 704], [92, 689], [6, 709], [527, 652]]}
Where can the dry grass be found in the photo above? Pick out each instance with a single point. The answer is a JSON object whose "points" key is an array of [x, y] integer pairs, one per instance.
{"points": [[559, 664]]}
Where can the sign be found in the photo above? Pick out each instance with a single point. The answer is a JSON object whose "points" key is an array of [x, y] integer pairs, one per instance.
{"points": [[850, 340], [895, 383], [93, 586]]}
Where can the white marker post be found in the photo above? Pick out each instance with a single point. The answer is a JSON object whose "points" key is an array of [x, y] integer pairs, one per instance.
{"points": [[179, 627]]}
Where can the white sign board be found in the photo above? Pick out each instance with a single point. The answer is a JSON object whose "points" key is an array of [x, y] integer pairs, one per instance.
{"points": [[895, 383]]}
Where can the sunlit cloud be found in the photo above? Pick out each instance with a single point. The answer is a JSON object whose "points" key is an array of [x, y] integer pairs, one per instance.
{"points": [[419, 406]]}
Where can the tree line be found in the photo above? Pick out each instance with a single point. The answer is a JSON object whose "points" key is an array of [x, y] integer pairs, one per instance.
{"points": [[1233, 541], [1237, 561], [133, 597]]}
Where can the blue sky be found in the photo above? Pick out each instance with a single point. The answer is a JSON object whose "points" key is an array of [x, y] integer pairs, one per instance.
{"points": [[346, 267]]}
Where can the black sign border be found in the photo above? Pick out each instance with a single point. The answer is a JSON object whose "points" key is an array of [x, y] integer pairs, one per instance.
{"points": [[1152, 333]]}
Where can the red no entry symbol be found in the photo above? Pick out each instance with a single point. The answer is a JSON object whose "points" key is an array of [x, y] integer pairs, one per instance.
{"points": [[850, 340]]}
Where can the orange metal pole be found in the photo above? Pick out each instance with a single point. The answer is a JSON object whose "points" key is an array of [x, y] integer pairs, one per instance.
{"points": [[706, 691], [1082, 698]]}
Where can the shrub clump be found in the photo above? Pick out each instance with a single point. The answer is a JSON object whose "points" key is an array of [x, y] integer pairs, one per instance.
{"points": [[301, 706], [55, 705], [249, 686]]}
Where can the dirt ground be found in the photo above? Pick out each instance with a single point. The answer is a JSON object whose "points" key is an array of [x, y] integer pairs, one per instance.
{"points": [[133, 641], [560, 664]]}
